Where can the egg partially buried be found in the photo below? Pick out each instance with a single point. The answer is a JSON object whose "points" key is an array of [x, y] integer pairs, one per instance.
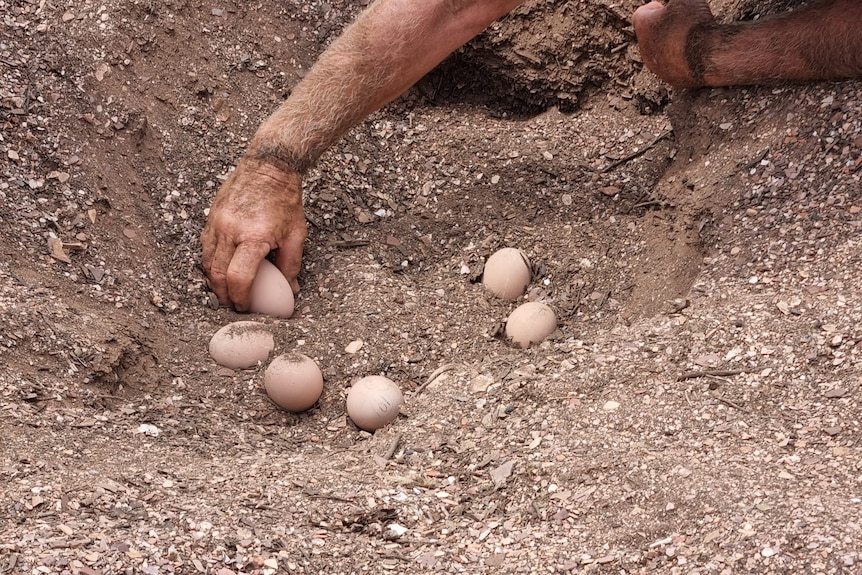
{"points": [[531, 323], [373, 402], [507, 273], [293, 381], [270, 292], [241, 344]]}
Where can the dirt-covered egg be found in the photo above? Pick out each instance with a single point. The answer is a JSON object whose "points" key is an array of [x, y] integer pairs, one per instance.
{"points": [[241, 344], [373, 402], [507, 273], [293, 381], [530, 323], [270, 292]]}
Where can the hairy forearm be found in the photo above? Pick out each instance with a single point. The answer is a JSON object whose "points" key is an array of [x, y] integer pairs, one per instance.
{"points": [[820, 41], [390, 47]]}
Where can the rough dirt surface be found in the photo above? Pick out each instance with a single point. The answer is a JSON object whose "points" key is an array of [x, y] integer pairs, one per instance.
{"points": [[698, 410]]}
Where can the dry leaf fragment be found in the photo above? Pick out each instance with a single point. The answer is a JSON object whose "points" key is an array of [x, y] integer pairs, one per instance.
{"points": [[55, 246], [496, 560], [501, 473]]}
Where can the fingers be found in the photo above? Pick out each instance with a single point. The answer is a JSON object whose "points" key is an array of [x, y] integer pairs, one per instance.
{"points": [[241, 271], [257, 209], [289, 256], [216, 259]]}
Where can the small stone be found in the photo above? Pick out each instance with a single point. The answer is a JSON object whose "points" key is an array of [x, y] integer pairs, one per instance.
{"points": [[611, 406], [481, 383], [102, 70]]}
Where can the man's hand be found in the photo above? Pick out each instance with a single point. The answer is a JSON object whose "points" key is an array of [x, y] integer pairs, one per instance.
{"points": [[256, 210], [668, 39], [683, 45], [259, 208]]}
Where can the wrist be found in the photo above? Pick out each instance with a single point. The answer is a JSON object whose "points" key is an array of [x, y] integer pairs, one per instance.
{"points": [[270, 147], [700, 44], [281, 177]]}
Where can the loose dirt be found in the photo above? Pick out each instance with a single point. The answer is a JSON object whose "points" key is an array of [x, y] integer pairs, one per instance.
{"points": [[697, 410]]}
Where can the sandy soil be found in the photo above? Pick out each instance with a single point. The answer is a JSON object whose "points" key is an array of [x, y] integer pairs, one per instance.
{"points": [[697, 411]]}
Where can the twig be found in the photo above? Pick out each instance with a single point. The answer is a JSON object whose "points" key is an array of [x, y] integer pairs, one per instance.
{"points": [[419, 541], [329, 497], [434, 375], [398, 556], [648, 204], [346, 244], [748, 165], [393, 445], [638, 153], [712, 372], [732, 404]]}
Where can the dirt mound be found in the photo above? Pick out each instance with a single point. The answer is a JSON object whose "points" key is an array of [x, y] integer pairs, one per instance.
{"points": [[697, 410]]}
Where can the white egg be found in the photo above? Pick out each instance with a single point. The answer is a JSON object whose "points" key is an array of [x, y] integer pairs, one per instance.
{"points": [[507, 273], [373, 402], [241, 344], [270, 292], [293, 381], [530, 323]]}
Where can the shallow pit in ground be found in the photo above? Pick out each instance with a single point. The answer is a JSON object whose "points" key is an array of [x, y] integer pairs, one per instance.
{"points": [[719, 432]]}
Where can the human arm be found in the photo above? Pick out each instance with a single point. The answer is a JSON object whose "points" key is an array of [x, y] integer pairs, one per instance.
{"points": [[683, 44], [385, 51]]}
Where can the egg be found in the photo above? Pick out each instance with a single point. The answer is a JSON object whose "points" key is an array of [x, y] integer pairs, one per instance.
{"points": [[293, 381], [241, 344], [530, 323], [270, 292], [373, 402], [507, 273]]}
